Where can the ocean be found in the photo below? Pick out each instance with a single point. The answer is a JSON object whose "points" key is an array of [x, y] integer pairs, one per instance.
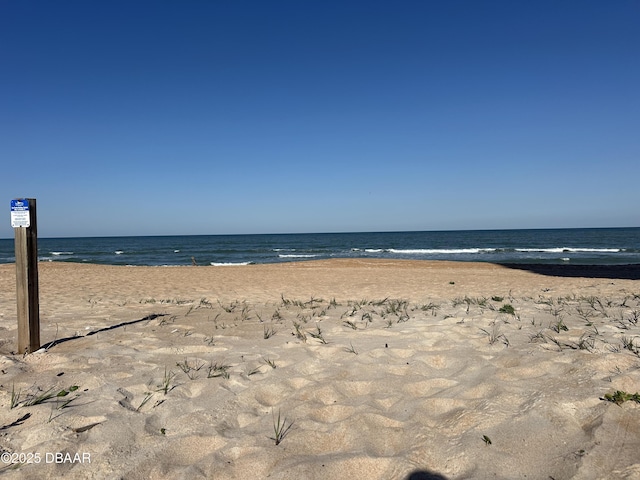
{"points": [[592, 246]]}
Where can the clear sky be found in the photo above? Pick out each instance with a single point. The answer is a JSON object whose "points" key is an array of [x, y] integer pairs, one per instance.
{"points": [[212, 117]]}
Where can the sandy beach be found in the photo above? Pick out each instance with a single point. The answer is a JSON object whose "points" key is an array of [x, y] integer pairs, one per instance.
{"points": [[330, 369]]}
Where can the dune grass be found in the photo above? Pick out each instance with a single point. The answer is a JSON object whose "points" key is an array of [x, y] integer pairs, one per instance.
{"points": [[166, 384], [280, 428]]}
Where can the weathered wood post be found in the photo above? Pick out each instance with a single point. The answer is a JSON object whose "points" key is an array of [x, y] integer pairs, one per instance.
{"points": [[24, 223]]}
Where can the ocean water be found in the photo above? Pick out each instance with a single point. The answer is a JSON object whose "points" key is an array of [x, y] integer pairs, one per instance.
{"points": [[597, 246]]}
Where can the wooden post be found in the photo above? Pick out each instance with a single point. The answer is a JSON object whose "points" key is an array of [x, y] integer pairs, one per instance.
{"points": [[26, 243]]}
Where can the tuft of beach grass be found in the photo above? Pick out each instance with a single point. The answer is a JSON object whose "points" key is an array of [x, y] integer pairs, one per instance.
{"points": [[280, 428], [167, 379]]}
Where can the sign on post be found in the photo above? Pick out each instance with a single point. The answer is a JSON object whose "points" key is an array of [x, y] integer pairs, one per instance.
{"points": [[23, 221], [20, 213]]}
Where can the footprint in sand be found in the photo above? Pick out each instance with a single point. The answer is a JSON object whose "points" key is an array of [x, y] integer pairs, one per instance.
{"points": [[271, 395], [331, 413]]}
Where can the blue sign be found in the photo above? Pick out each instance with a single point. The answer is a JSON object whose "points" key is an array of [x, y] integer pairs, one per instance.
{"points": [[20, 213]]}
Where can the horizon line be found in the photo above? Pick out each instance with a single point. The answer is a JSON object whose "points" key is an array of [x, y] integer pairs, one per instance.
{"points": [[336, 232]]}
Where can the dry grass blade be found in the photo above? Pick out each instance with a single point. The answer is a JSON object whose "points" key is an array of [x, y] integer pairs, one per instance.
{"points": [[318, 335], [351, 349], [495, 335], [268, 332]]}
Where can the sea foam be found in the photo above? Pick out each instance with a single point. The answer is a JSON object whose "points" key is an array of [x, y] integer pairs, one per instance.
{"points": [[436, 251], [568, 250], [230, 264]]}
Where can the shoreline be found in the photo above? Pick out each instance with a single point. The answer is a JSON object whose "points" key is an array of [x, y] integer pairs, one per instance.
{"points": [[340, 278], [576, 269]]}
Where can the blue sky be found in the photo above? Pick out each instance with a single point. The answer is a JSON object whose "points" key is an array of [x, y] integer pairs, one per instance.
{"points": [[213, 117]]}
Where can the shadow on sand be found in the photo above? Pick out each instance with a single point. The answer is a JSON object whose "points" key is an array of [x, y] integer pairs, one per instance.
{"points": [[425, 475], [47, 346], [621, 272]]}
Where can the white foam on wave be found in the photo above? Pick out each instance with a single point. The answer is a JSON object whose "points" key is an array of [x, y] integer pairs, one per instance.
{"points": [[56, 254], [373, 250], [568, 250], [229, 264], [119, 252], [296, 256], [431, 251], [595, 250]]}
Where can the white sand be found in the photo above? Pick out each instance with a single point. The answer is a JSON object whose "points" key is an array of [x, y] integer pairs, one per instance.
{"points": [[411, 387]]}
